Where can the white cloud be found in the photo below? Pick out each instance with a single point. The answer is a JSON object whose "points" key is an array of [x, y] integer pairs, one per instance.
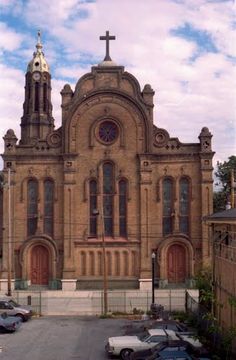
{"points": [[9, 39], [189, 95], [73, 72], [11, 100]]}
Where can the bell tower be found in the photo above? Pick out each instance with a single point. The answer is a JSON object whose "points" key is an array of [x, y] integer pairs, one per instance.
{"points": [[37, 121]]}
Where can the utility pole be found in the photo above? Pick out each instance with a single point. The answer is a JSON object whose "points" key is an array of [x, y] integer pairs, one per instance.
{"points": [[153, 277], [233, 185], [104, 265], [9, 293], [105, 303]]}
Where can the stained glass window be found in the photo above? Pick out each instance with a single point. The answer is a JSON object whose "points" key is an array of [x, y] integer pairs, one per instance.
{"points": [[167, 220], [123, 207], [93, 206], [108, 131], [48, 206], [108, 194], [32, 207], [184, 205]]}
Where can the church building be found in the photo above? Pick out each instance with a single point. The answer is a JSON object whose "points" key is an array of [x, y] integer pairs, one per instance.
{"points": [[107, 181]]}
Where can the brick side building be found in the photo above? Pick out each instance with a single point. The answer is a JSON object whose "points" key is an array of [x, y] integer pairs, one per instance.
{"points": [[107, 176], [224, 267]]}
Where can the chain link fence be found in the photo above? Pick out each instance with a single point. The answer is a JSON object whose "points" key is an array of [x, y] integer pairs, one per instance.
{"points": [[91, 302]]}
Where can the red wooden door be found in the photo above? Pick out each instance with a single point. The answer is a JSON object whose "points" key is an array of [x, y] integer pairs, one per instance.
{"points": [[176, 264], [39, 265]]}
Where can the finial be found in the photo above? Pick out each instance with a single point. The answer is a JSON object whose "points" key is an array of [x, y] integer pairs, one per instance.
{"points": [[39, 45], [107, 38], [39, 36]]}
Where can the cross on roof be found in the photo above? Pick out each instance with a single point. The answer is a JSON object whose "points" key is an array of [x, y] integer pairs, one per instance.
{"points": [[107, 38]]}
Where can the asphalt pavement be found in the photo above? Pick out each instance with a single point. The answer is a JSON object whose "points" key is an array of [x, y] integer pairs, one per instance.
{"points": [[60, 338]]}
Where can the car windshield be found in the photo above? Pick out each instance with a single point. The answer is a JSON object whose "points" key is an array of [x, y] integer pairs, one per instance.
{"points": [[159, 347], [13, 303], [144, 336]]}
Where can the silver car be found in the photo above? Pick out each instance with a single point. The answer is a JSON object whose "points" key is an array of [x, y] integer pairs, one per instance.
{"points": [[10, 307]]}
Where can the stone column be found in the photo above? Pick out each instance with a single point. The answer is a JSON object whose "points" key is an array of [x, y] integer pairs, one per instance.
{"points": [[69, 280], [145, 226]]}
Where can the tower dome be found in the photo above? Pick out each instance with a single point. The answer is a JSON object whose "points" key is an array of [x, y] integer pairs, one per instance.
{"points": [[38, 63]]}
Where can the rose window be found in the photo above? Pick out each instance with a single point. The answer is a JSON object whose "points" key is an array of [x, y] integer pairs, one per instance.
{"points": [[108, 132]]}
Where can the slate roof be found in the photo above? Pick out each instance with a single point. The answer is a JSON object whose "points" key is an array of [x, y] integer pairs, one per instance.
{"points": [[226, 215]]}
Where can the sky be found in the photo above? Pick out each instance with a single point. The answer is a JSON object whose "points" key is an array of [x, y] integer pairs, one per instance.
{"points": [[185, 49]]}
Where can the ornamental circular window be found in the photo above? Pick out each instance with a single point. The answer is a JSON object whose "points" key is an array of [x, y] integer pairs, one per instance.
{"points": [[108, 131]]}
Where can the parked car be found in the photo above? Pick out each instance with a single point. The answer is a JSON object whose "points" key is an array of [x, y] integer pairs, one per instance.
{"points": [[140, 326], [191, 339], [10, 307], [9, 323], [171, 345], [123, 346], [173, 355]]}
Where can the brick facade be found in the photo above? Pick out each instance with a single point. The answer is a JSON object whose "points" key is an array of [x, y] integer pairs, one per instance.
{"points": [[72, 156]]}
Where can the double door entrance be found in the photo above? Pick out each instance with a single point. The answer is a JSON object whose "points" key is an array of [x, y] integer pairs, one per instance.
{"points": [[176, 263], [39, 273]]}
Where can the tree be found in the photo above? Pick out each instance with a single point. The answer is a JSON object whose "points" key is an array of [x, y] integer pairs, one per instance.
{"points": [[223, 175]]}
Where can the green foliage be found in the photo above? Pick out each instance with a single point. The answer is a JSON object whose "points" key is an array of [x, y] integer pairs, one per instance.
{"points": [[180, 316], [228, 337], [118, 313], [203, 279], [232, 301], [223, 174], [219, 201], [138, 311], [105, 316], [204, 284]]}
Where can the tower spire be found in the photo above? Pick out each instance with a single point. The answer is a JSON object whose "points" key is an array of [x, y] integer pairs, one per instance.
{"points": [[39, 44], [37, 121]]}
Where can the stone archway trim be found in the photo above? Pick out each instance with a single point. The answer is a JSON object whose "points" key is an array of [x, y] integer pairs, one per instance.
{"points": [[163, 252], [25, 253]]}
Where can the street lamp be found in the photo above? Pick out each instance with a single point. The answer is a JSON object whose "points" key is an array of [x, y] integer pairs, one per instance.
{"points": [[153, 276], [96, 212]]}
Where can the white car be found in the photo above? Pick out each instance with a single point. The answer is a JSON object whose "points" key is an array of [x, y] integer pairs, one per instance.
{"points": [[123, 345]]}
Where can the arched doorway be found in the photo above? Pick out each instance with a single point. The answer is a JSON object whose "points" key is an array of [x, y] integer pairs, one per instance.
{"points": [[176, 264], [39, 273]]}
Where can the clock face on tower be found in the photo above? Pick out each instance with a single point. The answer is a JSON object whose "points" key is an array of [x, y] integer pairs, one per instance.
{"points": [[36, 76]]}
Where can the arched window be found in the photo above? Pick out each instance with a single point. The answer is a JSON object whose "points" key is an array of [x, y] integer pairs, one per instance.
{"points": [[168, 196], [123, 207], [184, 198], [93, 206], [36, 97], [48, 206], [32, 207], [108, 195], [44, 97]]}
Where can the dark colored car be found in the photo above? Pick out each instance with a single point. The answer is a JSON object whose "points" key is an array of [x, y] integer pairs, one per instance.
{"points": [[171, 345], [139, 326], [173, 355], [9, 323]]}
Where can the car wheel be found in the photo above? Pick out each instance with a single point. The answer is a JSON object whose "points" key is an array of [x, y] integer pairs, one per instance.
{"points": [[21, 317], [125, 353]]}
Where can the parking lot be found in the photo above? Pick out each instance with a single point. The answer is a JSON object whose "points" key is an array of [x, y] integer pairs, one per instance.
{"points": [[60, 338]]}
